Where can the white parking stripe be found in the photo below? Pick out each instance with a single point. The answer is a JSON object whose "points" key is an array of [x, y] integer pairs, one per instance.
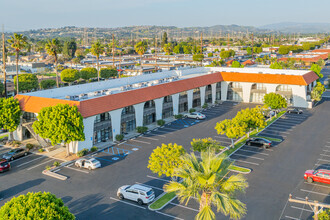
{"points": [[318, 193], [22, 164], [325, 155], [141, 141], [326, 150], [21, 158], [150, 186], [247, 162], [254, 152], [285, 123], [314, 184], [170, 129], [186, 207], [282, 126], [291, 217], [83, 171], [171, 216], [324, 160], [154, 139], [295, 207], [40, 164], [258, 148], [275, 130], [152, 177], [272, 134], [128, 203], [242, 155]]}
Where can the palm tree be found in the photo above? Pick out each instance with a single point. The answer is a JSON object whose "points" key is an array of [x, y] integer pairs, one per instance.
{"points": [[141, 48], [168, 48], [205, 179], [53, 48], [96, 50], [18, 42]]}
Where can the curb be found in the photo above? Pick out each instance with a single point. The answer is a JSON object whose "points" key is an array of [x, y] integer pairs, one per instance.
{"points": [[55, 175], [161, 195], [236, 171]]}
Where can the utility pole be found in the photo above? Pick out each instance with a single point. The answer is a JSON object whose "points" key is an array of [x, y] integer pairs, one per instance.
{"points": [[156, 44], [252, 46], [313, 205], [4, 59], [201, 47], [113, 50], [228, 41]]}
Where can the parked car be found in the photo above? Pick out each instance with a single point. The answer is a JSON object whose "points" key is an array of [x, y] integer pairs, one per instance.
{"points": [[15, 153], [294, 111], [88, 163], [259, 142], [195, 115], [4, 165], [138, 193], [321, 175]]}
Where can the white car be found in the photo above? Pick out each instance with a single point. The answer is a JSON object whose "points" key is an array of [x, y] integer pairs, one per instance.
{"points": [[138, 193], [195, 115], [89, 163]]}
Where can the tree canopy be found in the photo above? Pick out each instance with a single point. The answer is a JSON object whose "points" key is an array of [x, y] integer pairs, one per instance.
{"points": [[36, 206], [88, 73], [2, 89], [168, 48], [164, 159], [141, 47], [26, 82], [233, 128], [227, 53], [317, 69], [60, 123], [276, 65], [204, 144], [275, 101], [47, 83], [97, 49], [317, 91], [10, 114], [236, 64], [108, 72], [69, 75]]}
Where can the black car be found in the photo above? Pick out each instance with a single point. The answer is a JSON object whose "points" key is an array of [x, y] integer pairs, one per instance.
{"points": [[295, 111], [15, 153], [259, 142]]}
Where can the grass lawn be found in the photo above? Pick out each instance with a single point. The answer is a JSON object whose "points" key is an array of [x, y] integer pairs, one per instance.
{"points": [[240, 169], [3, 136], [162, 200]]}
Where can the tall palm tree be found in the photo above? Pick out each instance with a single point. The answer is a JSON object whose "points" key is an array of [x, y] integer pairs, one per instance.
{"points": [[18, 42], [205, 179], [53, 48], [141, 48], [96, 50]]}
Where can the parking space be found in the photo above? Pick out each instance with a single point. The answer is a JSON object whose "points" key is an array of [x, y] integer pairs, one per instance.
{"points": [[314, 191]]}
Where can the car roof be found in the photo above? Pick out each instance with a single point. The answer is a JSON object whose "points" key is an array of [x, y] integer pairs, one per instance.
{"points": [[140, 187], [324, 170]]}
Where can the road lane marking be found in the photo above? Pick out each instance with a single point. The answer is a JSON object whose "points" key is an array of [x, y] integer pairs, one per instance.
{"points": [[301, 209], [150, 186], [171, 216], [186, 207], [154, 139], [128, 203], [242, 155], [258, 148], [247, 162], [254, 152], [291, 217], [318, 193], [20, 158], [40, 164], [83, 171], [152, 177], [22, 164], [141, 142]]}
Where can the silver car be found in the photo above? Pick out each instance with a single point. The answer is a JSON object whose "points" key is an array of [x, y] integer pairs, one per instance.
{"points": [[15, 153], [88, 163]]}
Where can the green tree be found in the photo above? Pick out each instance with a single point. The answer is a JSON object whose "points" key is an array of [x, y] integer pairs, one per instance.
{"points": [[233, 128], [317, 91], [97, 49], [198, 57], [210, 55], [60, 123], [2, 89], [36, 206], [178, 49], [26, 82], [283, 50], [237, 64], [164, 159], [168, 48], [18, 42], [53, 48], [70, 47], [204, 144], [276, 65], [324, 215], [275, 101], [187, 49], [317, 69], [164, 39], [88, 73], [70, 75], [76, 61], [249, 50], [108, 72], [252, 118], [47, 83], [10, 114], [205, 180], [141, 48]]}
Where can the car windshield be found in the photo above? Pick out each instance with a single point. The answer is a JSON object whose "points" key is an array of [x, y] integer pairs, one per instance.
{"points": [[315, 171], [94, 161], [12, 151], [150, 193]]}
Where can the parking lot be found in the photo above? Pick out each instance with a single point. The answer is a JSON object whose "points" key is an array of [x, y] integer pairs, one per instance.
{"points": [[92, 194]]}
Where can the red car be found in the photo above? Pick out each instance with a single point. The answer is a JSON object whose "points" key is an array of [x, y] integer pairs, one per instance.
{"points": [[4, 165], [322, 176]]}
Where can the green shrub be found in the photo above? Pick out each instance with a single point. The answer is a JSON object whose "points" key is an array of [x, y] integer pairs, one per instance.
{"points": [[29, 146], [160, 122], [47, 167], [178, 116], [205, 105], [16, 143], [41, 150], [82, 153], [56, 164], [141, 129], [119, 137], [93, 149], [192, 110]]}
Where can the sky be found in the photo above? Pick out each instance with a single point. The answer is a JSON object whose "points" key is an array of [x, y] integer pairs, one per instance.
{"points": [[19, 15]]}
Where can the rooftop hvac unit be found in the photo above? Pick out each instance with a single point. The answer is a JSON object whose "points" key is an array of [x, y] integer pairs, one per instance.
{"points": [[72, 97], [97, 93], [104, 91], [108, 93], [83, 96]]}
